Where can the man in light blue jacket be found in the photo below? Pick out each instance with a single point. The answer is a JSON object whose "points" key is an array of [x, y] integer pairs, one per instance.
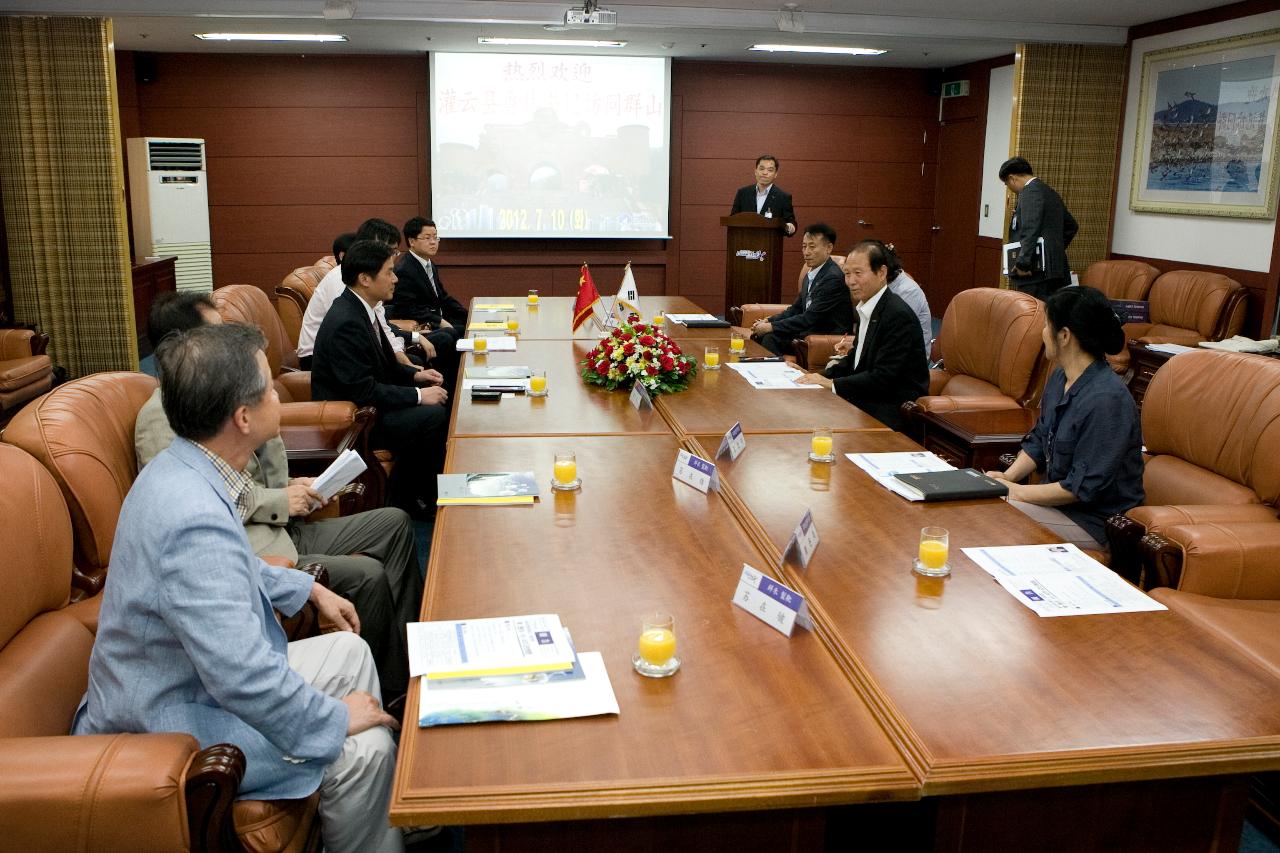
{"points": [[187, 641]]}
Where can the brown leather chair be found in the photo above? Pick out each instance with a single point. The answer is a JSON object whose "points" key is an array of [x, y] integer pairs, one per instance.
{"points": [[292, 296], [245, 303], [1121, 279], [1211, 424], [992, 354], [813, 351], [118, 792], [1188, 307], [25, 371]]}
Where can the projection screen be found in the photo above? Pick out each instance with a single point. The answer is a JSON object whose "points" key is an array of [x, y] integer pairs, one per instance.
{"points": [[524, 145]]}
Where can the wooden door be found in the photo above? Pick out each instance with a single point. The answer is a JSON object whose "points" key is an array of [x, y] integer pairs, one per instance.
{"points": [[956, 200]]}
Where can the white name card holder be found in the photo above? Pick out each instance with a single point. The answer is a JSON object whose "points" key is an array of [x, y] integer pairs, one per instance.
{"points": [[803, 541], [773, 603], [640, 397], [733, 443], [697, 472]]}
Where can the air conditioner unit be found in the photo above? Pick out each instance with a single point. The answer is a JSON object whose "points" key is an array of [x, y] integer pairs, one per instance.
{"points": [[169, 193]]}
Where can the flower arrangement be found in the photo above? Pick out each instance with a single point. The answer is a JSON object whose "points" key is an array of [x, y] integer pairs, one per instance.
{"points": [[636, 352]]}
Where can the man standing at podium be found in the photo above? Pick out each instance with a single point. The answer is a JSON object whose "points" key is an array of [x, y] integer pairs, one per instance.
{"points": [[764, 198]]}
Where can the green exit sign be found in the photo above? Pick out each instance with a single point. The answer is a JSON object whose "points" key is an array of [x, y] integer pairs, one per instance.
{"points": [[955, 89]]}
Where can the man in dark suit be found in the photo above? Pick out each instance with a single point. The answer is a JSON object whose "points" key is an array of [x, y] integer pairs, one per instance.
{"points": [[354, 361], [886, 365], [421, 297], [1038, 213], [764, 198], [821, 307]]}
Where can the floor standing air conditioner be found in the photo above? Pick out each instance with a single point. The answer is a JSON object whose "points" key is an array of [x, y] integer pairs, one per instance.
{"points": [[169, 191]]}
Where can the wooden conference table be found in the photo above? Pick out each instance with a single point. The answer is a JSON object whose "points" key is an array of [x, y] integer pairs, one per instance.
{"points": [[939, 717]]}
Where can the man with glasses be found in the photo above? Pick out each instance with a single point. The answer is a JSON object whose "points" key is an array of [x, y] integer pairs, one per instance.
{"points": [[331, 287], [421, 298]]}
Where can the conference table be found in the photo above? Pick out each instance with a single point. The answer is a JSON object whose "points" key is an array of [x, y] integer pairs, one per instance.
{"points": [[939, 715]]}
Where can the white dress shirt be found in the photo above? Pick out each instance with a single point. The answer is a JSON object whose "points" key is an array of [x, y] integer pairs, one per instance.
{"points": [[329, 289], [864, 310]]}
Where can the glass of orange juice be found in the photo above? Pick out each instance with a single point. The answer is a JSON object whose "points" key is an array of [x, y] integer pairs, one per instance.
{"points": [[565, 472], [659, 319], [737, 343], [932, 558], [533, 297], [538, 382], [481, 343], [820, 446], [711, 358], [513, 326], [655, 654]]}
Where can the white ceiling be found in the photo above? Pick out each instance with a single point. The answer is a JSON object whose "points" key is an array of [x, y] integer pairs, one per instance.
{"points": [[917, 33]]}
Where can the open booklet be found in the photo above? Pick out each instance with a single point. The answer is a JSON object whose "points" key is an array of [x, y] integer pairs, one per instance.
{"points": [[1060, 580], [340, 472]]}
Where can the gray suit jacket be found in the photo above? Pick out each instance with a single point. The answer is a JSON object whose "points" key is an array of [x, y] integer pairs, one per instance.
{"points": [[187, 641], [268, 524], [1040, 212]]}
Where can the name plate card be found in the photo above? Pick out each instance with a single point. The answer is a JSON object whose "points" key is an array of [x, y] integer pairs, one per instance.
{"points": [[640, 397], [773, 603], [697, 472], [803, 541], [734, 442]]}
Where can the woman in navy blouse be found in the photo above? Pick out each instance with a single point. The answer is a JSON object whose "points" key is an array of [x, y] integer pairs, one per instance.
{"points": [[1087, 442]]}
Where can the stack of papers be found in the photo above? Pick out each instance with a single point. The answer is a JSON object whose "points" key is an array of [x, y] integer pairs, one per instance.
{"points": [[508, 668], [685, 319], [885, 468], [1060, 580], [503, 488], [505, 307], [340, 472], [496, 343], [770, 375], [1171, 349]]}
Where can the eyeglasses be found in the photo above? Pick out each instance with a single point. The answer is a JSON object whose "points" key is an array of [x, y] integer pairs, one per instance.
{"points": [[429, 239]]}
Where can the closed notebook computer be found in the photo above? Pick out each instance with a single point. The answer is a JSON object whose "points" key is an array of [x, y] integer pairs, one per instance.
{"points": [[958, 485]]}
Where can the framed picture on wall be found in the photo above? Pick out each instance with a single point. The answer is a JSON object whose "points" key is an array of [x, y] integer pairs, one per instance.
{"points": [[1206, 129]]}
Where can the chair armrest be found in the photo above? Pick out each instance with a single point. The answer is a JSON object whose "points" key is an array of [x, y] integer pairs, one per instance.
{"points": [[317, 436], [296, 384], [306, 622], [1154, 519], [938, 379], [102, 792], [21, 343], [1223, 560], [814, 351], [753, 311], [330, 416], [948, 403], [1153, 564], [405, 325]]}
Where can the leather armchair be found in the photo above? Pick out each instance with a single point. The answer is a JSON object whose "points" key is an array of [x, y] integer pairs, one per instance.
{"points": [[1188, 307], [25, 371], [245, 303], [292, 296], [811, 352], [1211, 423], [992, 354], [122, 792], [1121, 279]]}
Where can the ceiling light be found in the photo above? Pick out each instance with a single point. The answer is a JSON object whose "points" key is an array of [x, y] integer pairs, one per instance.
{"points": [[316, 37], [813, 48], [551, 42]]}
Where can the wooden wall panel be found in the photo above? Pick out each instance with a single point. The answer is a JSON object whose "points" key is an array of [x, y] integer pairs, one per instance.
{"points": [[314, 180], [289, 131], [266, 229], [264, 270]]}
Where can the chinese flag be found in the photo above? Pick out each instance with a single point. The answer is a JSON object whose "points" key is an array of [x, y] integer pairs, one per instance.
{"points": [[588, 298]]}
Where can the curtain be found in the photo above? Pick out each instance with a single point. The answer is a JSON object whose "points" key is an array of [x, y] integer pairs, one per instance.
{"points": [[62, 183], [1066, 121]]}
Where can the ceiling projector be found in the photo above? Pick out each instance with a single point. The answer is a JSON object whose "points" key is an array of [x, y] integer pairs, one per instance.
{"points": [[591, 17]]}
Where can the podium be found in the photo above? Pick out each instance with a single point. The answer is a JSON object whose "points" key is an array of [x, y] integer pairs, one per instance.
{"points": [[753, 260]]}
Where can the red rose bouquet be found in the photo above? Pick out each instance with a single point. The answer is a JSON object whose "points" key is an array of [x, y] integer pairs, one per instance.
{"points": [[636, 352]]}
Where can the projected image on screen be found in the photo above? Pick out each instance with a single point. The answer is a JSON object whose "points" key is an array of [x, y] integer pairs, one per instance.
{"points": [[549, 146]]}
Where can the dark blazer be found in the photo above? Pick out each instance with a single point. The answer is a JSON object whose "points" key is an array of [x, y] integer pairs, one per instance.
{"points": [[1038, 213], [415, 299], [821, 307], [353, 361], [776, 202], [893, 369]]}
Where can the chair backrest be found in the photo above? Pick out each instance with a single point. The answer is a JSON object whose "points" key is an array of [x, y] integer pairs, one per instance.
{"points": [[1218, 411], [44, 651], [245, 303], [292, 296], [1121, 279], [1210, 304], [994, 335], [82, 432], [325, 264], [804, 270]]}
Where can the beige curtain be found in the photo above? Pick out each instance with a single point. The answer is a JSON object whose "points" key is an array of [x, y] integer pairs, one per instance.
{"points": [[1066, 120], [62, 182]]}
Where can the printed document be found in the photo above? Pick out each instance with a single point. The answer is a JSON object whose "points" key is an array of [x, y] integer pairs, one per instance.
{"points": [[770, 375], [505, 645], [340, 472], [1060, 580], [885, 468], [538, 699]]}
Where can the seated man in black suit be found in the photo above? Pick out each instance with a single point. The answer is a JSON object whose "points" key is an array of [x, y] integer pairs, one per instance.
{"points": [[821, 307], [764, 198], [887, 364], [421, 297], [353, 361]]}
